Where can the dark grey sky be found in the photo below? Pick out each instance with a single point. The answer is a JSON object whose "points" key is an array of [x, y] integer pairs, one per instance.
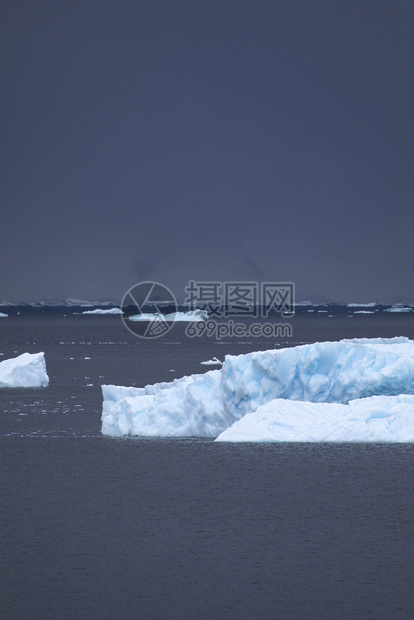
{"points": [[207, 140]]}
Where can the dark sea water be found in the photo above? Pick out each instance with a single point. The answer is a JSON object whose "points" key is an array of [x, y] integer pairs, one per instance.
{"points": [[96, 527]]}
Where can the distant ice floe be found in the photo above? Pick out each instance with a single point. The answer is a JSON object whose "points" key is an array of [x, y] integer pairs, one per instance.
{"points": [[371, 304], [3, 315], [398, 309], [299, 394], [212, 362], [192, 315], [67, 303], [26, 370], [104, 311], [71, 301]]}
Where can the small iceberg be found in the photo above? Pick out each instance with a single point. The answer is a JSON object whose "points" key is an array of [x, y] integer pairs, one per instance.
{"points": [[104, 311], [3, 315], [70, 302], [398, 309], [371, 304], [26, 370], [191, 316], [212, 362]]}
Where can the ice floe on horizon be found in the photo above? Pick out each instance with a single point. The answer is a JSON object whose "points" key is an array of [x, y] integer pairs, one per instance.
{"points": [[104, 311], [398, 309], [66, 303], [191, 316], [71, 301], [371, 304]]}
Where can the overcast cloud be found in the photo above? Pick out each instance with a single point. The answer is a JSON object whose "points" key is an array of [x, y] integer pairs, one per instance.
{"points": [[207, 140]]}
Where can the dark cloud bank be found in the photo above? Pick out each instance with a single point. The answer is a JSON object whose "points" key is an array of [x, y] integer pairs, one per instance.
{"points": [[207, 140]]}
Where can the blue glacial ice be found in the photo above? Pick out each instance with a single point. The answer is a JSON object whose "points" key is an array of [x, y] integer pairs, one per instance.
{"points": [[305, 389]]}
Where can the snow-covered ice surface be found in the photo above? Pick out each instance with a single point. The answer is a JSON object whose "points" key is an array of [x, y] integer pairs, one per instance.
{"points": [[377, 418], [329, 372], [104, 311], [26, 370], [192, 315]]}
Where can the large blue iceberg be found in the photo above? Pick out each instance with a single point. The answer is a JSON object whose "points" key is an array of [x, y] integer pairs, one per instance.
{"points": [[331, 391]]}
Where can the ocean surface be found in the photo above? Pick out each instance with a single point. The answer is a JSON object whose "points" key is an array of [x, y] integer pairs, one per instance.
{"points": [[97, 527]]}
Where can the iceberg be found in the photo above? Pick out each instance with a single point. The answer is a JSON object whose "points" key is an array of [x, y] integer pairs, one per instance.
{"points": [[371, 304], [71, 301], [146, 316], [104, 311], [212, 362], [205, 405], [192, 315], [3, 315], [26, 370], [398, 309]]}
